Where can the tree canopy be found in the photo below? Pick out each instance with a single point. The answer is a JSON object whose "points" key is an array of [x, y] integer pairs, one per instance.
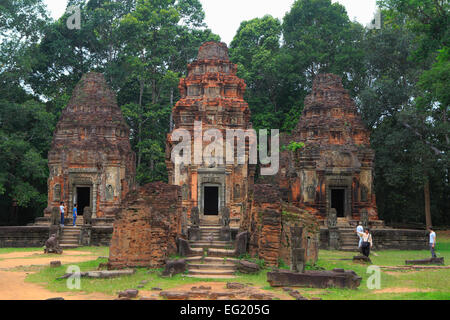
{"points": [[398, 75]]}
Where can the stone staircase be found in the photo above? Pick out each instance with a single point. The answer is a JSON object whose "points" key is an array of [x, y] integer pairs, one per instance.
{"points": [[70, 235], [213, 258], [348, 239]]}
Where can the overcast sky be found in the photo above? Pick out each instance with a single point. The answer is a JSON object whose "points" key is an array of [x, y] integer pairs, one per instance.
{"points": [[224, 17]]}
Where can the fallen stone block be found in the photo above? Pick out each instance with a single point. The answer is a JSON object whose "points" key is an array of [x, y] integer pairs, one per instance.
{"points": [[247, 267], [174, 267], [296, 295], [130, 293], [199, 294], [220, 295], [156, 289], [362, 259], [261, 296], [439, 261], [55, 264], [171, 295], [106, 274], [56, 298], [235, 285], [315, 279], [201, 288]]}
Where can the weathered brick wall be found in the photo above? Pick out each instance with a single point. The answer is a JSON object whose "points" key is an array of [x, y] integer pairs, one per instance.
{"points": [[24, 236], [295, 217], [264, 223], [146, 227]]}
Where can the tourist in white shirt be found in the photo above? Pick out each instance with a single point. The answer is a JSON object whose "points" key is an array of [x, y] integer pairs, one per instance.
{"points": [[359, 229], [367, 242], [432, 242], [61, 210]]}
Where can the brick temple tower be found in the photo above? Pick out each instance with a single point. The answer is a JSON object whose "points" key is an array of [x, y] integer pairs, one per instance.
{"points": [[91, 162], [213, 95], [335, 168]]}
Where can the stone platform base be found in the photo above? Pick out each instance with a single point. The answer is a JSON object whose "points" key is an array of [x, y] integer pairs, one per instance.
{"points": [[386, 238], [36, 235], [438, 261], [338, 278]]}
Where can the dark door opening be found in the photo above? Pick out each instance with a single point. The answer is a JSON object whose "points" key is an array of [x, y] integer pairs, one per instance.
{"points": [[211, 201], [338, 201], [83, 199]]}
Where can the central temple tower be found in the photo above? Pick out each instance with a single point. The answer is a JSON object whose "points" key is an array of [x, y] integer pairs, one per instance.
{"points": [[213, 95]]}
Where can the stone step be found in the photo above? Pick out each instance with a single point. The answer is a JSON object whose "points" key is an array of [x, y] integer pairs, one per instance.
{"points": [[211, 272], [212, 266], [211, 244], [199, 276], [70, 231], [211, 228], [221, 253], [68, 246], [206, 237], [70, 236], [212, 260], [73, 240], [349, 248]]}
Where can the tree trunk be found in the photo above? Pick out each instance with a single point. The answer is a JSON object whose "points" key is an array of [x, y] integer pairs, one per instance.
{"points": [[426, 191], [141, 93], [171, 106]]}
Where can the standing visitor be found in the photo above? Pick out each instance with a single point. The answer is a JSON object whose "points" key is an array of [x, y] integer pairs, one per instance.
{"points": [[61, 211], [75, 214], [367, 243], [432, 242], [359, 229]]}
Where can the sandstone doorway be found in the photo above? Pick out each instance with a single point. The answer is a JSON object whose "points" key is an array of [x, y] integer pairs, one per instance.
{"points": [[83, 199], [338, 201], [211, 201]]}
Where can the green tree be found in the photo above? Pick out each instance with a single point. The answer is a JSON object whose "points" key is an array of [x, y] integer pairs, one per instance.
{"points": [[255, 50]]}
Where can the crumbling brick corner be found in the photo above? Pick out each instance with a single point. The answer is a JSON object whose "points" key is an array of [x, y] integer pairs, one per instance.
{"points": [[146, 227]]}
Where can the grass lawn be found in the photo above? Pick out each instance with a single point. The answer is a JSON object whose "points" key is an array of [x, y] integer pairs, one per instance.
{"points": [[395, 285]]}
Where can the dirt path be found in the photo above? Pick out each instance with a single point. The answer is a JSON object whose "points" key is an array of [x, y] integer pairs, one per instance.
{"points": [[14, 287], [43, 259]]}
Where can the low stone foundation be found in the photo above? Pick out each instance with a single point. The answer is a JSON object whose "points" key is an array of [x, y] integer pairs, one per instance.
{"points": [[338, 278], [23, 236], [431, 261], [384, 239]]}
